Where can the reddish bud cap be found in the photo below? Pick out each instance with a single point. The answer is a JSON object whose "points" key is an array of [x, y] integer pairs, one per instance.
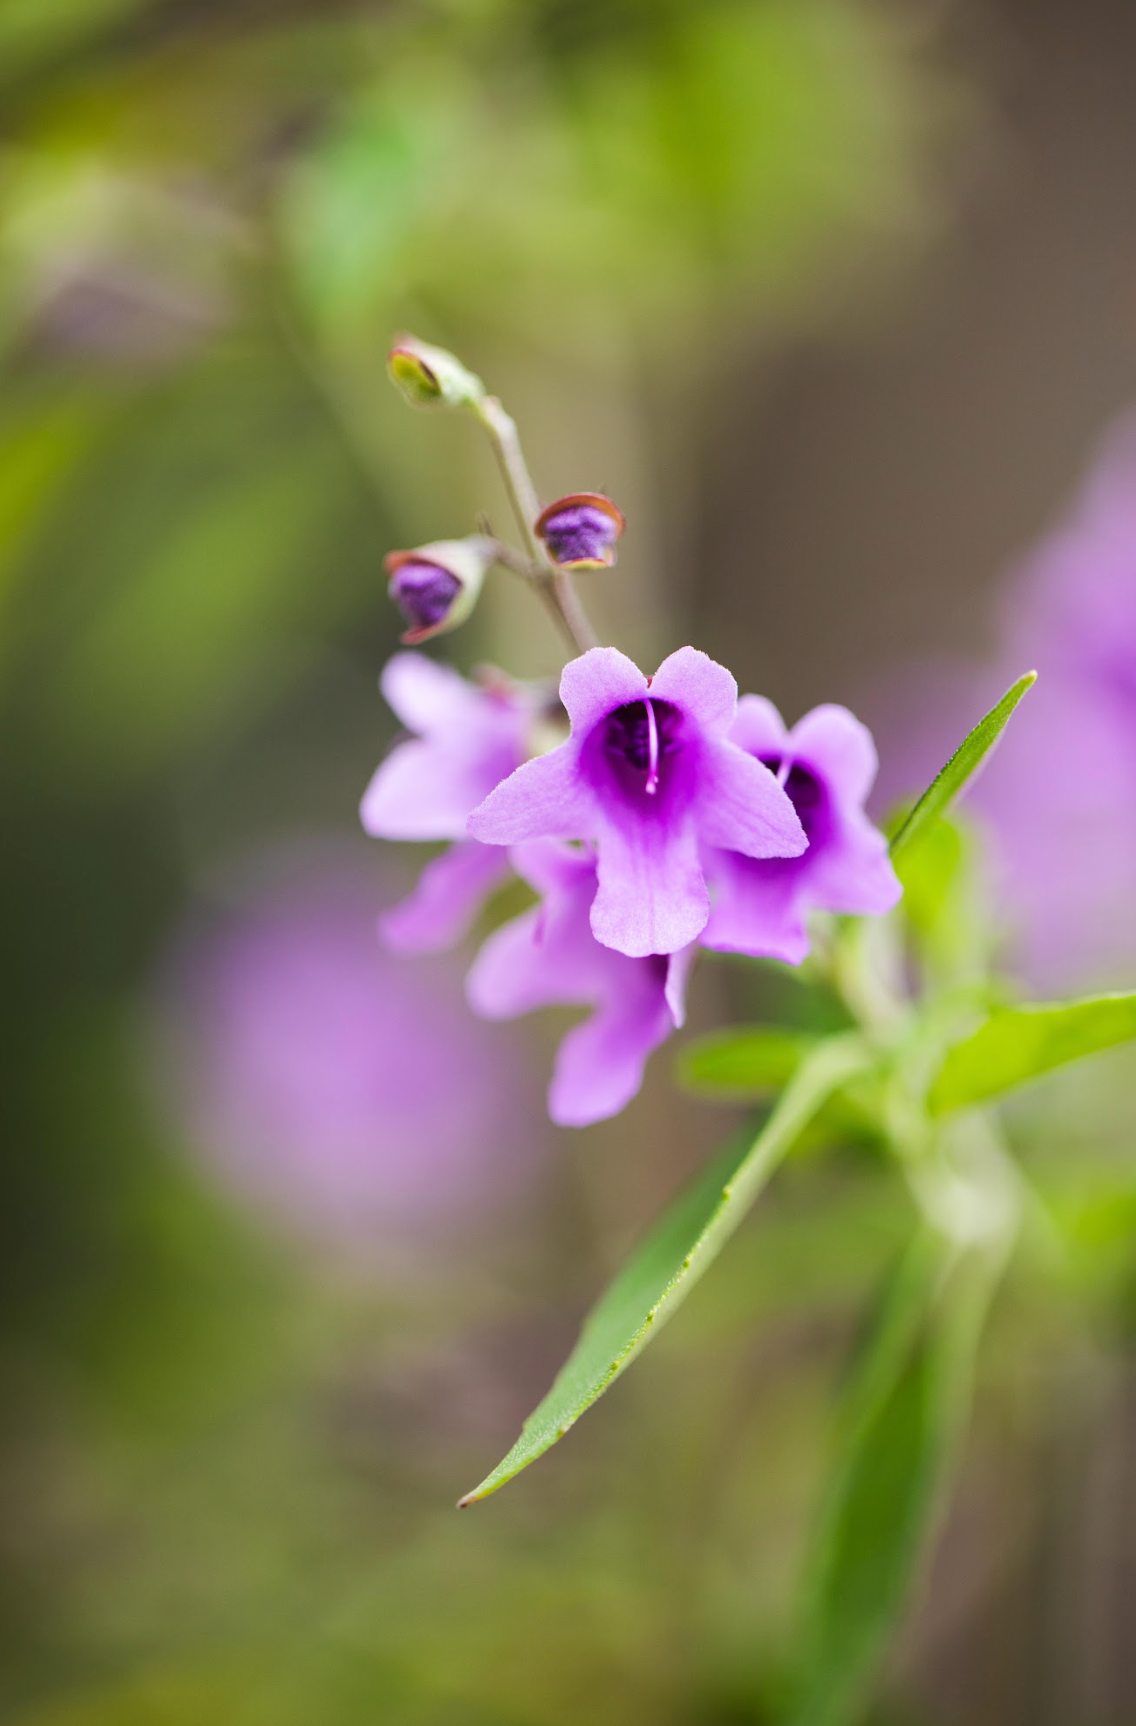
{"points": [[580, 531]]}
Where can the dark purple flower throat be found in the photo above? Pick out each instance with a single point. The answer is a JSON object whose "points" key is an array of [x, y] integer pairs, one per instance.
{"points": [[804, 791], [638, 740]]}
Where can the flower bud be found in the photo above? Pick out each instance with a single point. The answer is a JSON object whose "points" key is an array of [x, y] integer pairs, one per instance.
{"points": [[436, 586], [580, 531], [431, 377]]}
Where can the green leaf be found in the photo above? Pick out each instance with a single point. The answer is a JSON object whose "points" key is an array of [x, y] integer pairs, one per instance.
{"points": [[944, 903], [963, 764], [749, 1061], [904, 1412], [674, 1255], [929, 872], [1019, 1043]]}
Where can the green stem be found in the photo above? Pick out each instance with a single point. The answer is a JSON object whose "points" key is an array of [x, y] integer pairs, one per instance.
{"points": [[502, 429], [554, 586]]}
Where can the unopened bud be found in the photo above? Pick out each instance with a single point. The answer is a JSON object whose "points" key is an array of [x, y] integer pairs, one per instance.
{"points": [[436, 586], [431, 377], [580, 531]]}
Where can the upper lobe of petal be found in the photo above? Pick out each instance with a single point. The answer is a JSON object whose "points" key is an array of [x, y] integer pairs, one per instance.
{"points": [[700, 686], [598, 682], [427, 697], [467, 741], [424, 791], [759, 729], [840, 748]]}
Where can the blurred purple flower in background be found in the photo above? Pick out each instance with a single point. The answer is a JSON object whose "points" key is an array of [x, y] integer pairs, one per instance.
{"points": [[549, 957], [340, 1090], [1059, 793]]}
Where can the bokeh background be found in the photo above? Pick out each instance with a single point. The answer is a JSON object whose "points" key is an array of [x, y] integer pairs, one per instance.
{"points": [[837, 298]]}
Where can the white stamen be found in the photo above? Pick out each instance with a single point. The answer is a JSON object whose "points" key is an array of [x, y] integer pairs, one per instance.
{"points": [[652, 750], [784, 770]]}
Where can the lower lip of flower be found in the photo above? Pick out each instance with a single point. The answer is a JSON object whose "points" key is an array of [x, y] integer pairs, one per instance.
{"points": [[424, 592]]}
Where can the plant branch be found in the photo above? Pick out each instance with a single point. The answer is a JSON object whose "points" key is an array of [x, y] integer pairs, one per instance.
{"points": [[554, 585]]}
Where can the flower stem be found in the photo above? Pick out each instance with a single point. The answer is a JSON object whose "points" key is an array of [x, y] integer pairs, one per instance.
{"points": [[554, 586], [502, 429]]}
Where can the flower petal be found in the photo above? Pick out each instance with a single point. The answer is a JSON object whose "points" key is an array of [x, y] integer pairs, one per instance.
{"points": [[854, 873], [510, 975], [451, 891], [833, 740], [679, 967], [545, 797], [552, 866], [543, 958], [758, 906], [425, 696], [599, 1065], [422, 791], [651, 897], [600, 680], [700, 686], [741, 807], [759, 729]]}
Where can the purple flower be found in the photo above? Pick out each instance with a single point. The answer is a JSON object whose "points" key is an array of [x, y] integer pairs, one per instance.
{"points": [[467, 738], [1059, 792], [648, 774], [580, 531], [335, 1088], [827, 764], [549, 957], [1071, 610]]}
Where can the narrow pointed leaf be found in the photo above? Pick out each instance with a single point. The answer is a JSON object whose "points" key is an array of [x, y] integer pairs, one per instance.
{"points": [[1019, 1043], [944, 903], [963, 764], [684, 1243], [905, 1411]]}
